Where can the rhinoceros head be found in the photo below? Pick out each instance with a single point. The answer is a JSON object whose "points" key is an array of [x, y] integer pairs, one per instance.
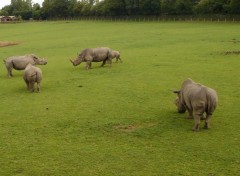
{"points": [[39, 61], [77, 61], [178, 102]]}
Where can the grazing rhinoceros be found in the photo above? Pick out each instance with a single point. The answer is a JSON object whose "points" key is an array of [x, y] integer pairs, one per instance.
{"points": [[115, 54], [31, 76], [90, 55], [20, 62], [196, 99]]}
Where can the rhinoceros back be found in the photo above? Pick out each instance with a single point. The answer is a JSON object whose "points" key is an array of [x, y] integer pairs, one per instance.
{"points": [[197, 96], [100, 54], [192, 93], [20, 62]]}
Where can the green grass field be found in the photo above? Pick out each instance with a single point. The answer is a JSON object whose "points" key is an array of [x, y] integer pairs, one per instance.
{"points": [[120, 120]]}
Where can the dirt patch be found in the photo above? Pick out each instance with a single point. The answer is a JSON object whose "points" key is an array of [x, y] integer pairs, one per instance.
{"points": [[131, 128], [7, 43], [235, 40], [124, 128], [232, 52]]}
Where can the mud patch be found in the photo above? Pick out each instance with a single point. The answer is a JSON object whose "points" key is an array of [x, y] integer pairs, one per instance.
{"points": [[7, 43], [232, 52], [126, 129], [132, 128], [232, 41]]}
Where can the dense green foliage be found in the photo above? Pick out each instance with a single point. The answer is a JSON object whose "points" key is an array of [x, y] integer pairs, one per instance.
{"points": [[120, 120], [74, 8]]}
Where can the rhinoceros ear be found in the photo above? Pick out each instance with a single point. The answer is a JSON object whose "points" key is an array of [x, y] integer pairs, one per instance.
{"points": [[176, 91], [34, 57]]}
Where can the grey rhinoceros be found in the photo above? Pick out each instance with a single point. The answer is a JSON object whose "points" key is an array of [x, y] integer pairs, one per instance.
{"points": [[20, 62], [90, 55], [31, 76], [115, 54], [196, 99]]}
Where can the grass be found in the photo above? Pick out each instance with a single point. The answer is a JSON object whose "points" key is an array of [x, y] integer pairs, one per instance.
{"points": [[120, 120]]}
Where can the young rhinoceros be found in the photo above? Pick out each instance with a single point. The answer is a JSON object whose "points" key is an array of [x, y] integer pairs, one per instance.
{"points": [[20, 62], [31, 76], [115, 54], [196, 99]]}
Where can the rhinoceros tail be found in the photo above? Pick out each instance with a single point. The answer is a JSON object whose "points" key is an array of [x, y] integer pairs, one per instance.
{"points": [[212, 101], [108, 54], [38, 77]]}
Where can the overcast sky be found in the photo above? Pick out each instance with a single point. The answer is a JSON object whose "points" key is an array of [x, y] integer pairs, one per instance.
{"points": [[8, 2]]}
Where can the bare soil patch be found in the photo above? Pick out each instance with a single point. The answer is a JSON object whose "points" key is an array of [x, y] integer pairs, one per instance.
{"points": [[8, 43], [131, 128], [232, 52]]}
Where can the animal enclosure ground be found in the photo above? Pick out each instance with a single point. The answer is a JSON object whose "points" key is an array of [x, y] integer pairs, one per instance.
{"points": [[120, 120], [7, 43]]}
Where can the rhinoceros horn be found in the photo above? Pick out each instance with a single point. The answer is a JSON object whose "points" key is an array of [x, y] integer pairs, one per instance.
{"points": [[71, 60]]}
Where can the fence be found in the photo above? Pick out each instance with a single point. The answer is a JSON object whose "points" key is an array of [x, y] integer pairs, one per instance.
{"points": [[154, 19]]}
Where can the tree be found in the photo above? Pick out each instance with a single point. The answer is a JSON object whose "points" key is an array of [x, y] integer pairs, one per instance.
{"points": [[132, 7], [114, 7], [36, 11], [77, 10], [5, 10], [99, 8], [71, 7], [235, 6], [26, 15], [46, 10], [55, 8], [29, 3], [168, 7], [19, 8], [149, 7], [184, 7], [86, 8], [211, 6], [60, 8]]}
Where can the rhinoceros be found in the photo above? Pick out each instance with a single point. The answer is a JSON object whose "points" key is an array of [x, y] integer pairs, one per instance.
{"points": [[32, 75], [90, 55], [196, 99], [20, 62], [115, 54]]}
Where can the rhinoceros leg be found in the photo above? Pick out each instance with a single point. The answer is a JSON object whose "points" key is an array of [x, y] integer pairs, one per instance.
{"points": [[38, 87], [10, 73], [118, 58], [103, 63], [197, 118], [190, 114], [9, 69], [27, 83], [31, 86], [206, 125], [110, 62], [88, 65]]}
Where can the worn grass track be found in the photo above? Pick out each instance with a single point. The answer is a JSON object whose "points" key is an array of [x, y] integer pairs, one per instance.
{"points": [[120, 120]]}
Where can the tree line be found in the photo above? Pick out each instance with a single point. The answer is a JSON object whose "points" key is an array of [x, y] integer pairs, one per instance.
{"points": [[77, 8]]}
